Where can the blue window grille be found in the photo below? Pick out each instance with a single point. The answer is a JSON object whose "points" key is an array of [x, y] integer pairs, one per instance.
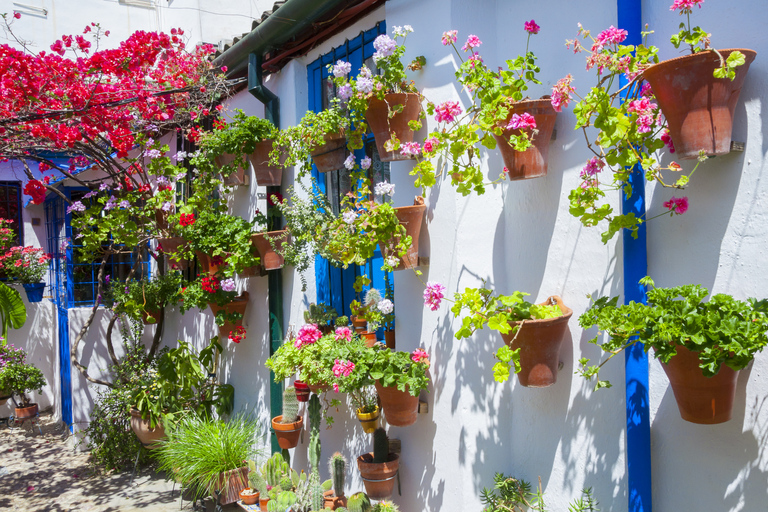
{"points": [[334, 285], [10, 207]]}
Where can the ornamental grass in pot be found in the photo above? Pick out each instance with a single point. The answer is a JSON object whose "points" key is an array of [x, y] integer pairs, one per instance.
{"points": [[701, 344]]}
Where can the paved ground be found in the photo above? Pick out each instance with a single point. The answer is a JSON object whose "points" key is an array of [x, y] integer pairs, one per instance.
{"points": [[42, 473]]}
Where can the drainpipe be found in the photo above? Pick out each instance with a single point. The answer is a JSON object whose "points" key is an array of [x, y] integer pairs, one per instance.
{"points": [[635, 261], [274, 277]]}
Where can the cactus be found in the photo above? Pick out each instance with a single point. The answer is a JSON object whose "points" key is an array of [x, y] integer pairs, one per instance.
{"points": [[302, 494], [272, 506], [342, 321], [315, 491], [286, 499], [341, 509], [386, 506], [337, 465], [359, 502], [327, 485], [314, 435], [315, 414], [256, 481], [290, 406], [372, 297], [285, 483], [380, 446], [320, 314], [274, 469], [286, 455]]}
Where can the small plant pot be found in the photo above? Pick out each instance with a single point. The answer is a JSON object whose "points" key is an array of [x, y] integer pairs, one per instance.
{"points": [[236, 306], [231, 483], [210, 264], [237, 178], [302, 391], [34, 291], [400, 408], [266, 175], [369, 337], [147, 435], [331, 155], [318, 388], [331, 501], [26, 413], [287, 433], [539, 342], [171, 245], [270, 258], [359, 324], [263, 504], [249, 499], [531, 163], [378, 478], [384, 127], [700, 399], [389, 338], [411, 218], [369, 420], [698, 107]]}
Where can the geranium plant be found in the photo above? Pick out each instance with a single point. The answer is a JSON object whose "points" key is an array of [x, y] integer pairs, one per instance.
{"points": [[723, 330], [25, 264], [208, 290], [17, 376], [402, 370]]}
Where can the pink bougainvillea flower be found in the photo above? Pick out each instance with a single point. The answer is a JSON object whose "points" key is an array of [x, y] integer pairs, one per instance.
{"points": [[531, 27], [685, 6], [420, 356], [308, 334], [521, 122], [449, 37], [472, 42], [561, 93], [343, 333], [433, 295], [446, 112], [677, 205]]}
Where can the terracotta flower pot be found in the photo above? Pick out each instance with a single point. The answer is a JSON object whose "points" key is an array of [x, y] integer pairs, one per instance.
{"points": [[210, 264], [147, 435], [389, 338], [539, 342], [698, 107], [302, 391], [700, 399], [231, 483], [369, 338], [531, 163], [411, 218], [287, 433], [26, 413], [173, 244], [359, 324], [331, 501], [400, 408], [318, 388], [270, 259], [378, 478], [369, 420], [383, 127], [332, 154], [236, 306], [249, 499], [266, 175], [263, 504], [237, 178]]}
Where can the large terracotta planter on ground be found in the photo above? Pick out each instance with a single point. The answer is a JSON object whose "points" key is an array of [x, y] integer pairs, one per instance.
{"points": [[700, 399], [539, 342], [400, 408], [26, 413], [270, 259], [531, 163], [287, 433], [389, 338], [236, 306], [411, 218], [332, 154], [383, 127], [147, 435], [266, 175], [231, 483], [331, 501], [378, 478], [173, 244], [698, 107], [237, 178]]}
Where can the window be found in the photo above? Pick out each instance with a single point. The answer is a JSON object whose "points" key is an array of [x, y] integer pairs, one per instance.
{"points": [[10, 207]]}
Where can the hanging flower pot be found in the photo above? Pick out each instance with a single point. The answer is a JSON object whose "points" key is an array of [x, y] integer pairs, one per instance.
{"points": [[172, 245], [411, 218], [400, 407], [287, 433], [378, 478], [385, 127], [147, 435], [302, 391], [270, 258], [34, 291], [531, 163], [700, 399], [231, 483], [266, 175], [369, 420], [236, 306], [331, 155], [698, 107], [237, 178], [539, 342], [210, 264]]}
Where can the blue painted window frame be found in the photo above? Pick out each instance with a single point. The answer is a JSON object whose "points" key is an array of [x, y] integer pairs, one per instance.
{"points": [[18, 225]]}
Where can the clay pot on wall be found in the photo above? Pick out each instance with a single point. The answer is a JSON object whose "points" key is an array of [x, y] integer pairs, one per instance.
{"points": [[531, 163], [700, 399], [34, 291], [266, 175], [231, 483], [270, 259], [411, 218], [330, 156], [147, 435], [237, 178], [539, 342], [359, 323], [698, 107], [383, 127], [400, 407], [378, 478], [236, 306], [287, 433], [173, 244]]}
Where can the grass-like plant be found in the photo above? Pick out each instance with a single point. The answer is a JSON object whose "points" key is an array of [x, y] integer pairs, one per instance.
{"points": [[198, 450]]}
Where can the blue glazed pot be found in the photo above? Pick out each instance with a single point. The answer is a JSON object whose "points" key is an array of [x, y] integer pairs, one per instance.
{"points": [[34, 291]]}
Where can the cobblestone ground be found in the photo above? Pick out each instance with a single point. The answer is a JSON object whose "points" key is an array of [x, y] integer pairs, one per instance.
{"points": [[43, 473]]}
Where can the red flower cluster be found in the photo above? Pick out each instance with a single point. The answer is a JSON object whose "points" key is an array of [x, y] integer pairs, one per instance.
{"points": [[210, 284], [186, 219], [37, 190], [237, 335]]}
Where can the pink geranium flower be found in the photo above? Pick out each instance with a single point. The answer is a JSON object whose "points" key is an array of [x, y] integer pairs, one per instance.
{"points": [[685, 6], [561, 93], [677, 205], [611, 35], [433, 295], [446, 112], [410, 149], [343, 333], [449, 37], [472, 42], [431, 144], [308, 334], [342, 368], [531, 27], [521, 122], [420, 356]]}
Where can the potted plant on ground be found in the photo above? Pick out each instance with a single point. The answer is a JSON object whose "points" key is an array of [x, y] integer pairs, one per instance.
{"points": [[379, 468], [532, 333], [145, 299], [17, 377], [701, 344], [288, 425], [337, 467], [322, 315], [27, 265]]}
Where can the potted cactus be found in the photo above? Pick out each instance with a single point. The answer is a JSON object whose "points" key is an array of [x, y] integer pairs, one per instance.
{"points": [[288, 425], [334, 498], [379, 468], [359, 502], [385, 506], [321, 315]]}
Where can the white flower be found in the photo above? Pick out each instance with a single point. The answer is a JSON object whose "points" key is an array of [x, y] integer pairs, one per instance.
{"points": [[364, 84], [349, 163], [384, 188], [228, 285], [349, 217], [408, 29], [393, 261], [181, 155], [364, 72], [341, 69], [385, 306], [365, 163]]}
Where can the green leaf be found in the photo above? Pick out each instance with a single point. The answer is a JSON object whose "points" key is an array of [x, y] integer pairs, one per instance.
{"points": [[12, 309]]}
